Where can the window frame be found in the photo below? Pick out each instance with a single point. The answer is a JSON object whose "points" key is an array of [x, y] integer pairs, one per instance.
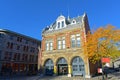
{"points": [[75, 40], [49, 45], [62, 44]]}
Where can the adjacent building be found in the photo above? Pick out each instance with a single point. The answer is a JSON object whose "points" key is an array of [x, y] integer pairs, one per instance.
{"points": [[18, 53], [62, 49]]}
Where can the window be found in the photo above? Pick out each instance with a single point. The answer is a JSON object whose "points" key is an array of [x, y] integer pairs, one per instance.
{"points": [[8, 55], [15, 56], [26, 48], [19, 39], [11, 37], [18, 47], [32, 49], [26, 57], [23, 57], [62, 23], [31, 59], [0, 54], [1, 35], [75, 40], [49, 64], [73, 21], [26, 42], [75, 67], [61, 43], [58, 24], [49, 45], [18, 56], [9, 45], [78, 41], [36, 58]]}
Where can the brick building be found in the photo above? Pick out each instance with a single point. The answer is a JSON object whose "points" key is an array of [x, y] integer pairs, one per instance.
{"points": [[18, 52], [61, 47]]}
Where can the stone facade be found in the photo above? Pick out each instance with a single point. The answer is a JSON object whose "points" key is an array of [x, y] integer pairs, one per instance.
{"points": [[66, 43], [18, 52]]}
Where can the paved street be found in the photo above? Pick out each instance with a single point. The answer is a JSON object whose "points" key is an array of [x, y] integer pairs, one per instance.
{"points": [[113, 76]]}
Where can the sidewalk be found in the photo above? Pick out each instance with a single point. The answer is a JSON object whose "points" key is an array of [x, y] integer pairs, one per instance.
{"points": [[112, 76]]}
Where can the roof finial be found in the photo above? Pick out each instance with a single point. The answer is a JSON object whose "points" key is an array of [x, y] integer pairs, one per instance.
{"points": [[61, 14], [68, 17], [84, 14], [68, 10]]}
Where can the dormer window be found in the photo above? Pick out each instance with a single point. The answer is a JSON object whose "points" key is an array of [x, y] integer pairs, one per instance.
{"points": [[73, 22], [62, 23], [58, 24]]}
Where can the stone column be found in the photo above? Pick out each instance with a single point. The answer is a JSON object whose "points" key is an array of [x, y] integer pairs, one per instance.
{"points": [[69, 70], [55, 70], [87, 69]]}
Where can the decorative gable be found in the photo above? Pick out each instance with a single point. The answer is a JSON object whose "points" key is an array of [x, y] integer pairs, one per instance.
{"points": [[60, 22]]}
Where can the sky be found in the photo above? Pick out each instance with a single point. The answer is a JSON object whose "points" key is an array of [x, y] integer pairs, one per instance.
{"points": [[30, 17]]}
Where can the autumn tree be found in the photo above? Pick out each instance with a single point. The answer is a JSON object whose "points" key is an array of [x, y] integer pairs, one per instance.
{"points": [[104, 42]]}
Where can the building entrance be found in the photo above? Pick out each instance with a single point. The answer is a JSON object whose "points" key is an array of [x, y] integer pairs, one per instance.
{"points": [[49, 67], [62, 66], [78, 66], [62, 69]]}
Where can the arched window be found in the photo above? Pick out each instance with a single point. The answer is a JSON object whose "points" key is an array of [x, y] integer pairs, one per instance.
{"points": [[58, 25], [49, 64], [62, 23], [78, 66]]}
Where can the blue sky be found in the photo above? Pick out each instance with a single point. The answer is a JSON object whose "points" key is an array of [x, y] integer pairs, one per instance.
{"points": [[29, 17]]}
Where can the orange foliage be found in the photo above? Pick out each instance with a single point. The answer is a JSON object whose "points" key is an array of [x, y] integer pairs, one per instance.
{"points": [[102, 43]]}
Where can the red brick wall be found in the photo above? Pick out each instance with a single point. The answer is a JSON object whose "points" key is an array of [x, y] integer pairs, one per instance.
{"points": [[43, 45], [68, 40], [55, 42]]}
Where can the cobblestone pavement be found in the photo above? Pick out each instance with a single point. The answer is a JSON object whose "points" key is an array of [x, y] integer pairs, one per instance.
{"points": [[113, 76]]}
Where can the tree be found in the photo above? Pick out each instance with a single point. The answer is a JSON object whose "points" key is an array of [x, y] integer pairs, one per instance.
{"points": [[104, 42]]}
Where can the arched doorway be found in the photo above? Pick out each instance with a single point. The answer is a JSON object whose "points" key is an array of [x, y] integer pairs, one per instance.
{"points": [[62, 66], [78, 66], [49, 67]]}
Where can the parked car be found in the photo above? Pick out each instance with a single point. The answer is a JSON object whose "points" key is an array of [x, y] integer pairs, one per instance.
{"points": [[110, 70]]}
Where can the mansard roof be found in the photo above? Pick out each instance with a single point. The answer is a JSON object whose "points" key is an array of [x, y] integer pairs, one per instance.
{"points": [[68, 21]]}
